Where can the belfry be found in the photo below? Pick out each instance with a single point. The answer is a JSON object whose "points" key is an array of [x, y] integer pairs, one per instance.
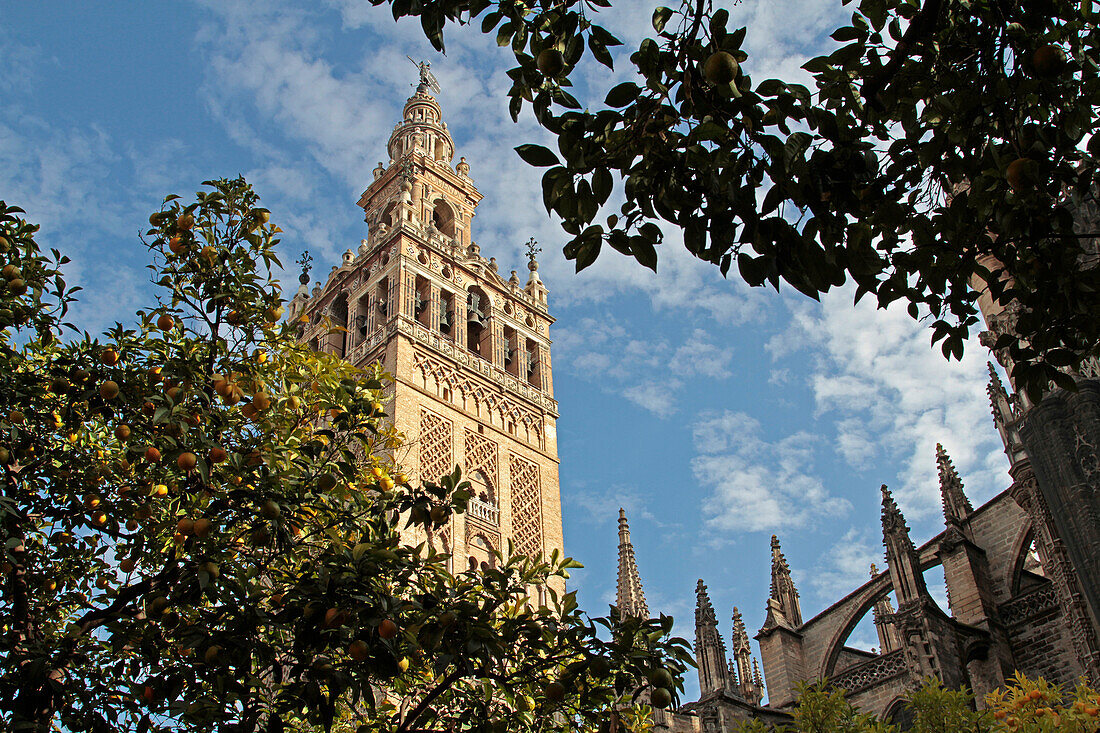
{"points": [[468, 348]]}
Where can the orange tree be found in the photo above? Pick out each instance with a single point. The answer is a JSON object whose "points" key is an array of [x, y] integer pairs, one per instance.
{"points": [[204, 526], [942, 141]]}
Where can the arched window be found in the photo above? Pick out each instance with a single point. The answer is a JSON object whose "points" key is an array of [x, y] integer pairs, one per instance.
{"points": [[478, 329], [513, 353], [531, 368], [443, 217], [338, 314], [422, 300], [482, 487]]}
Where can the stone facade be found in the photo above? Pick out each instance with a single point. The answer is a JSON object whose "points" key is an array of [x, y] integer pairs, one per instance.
{"points": [[469, 349], [1015, 602]]}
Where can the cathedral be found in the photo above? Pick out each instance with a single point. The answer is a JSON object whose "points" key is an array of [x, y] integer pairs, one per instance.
{"points": [[470, 353], [1022, 573]]}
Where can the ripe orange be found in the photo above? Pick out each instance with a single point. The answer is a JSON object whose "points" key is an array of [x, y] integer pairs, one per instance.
{"points": [[185, 526], [122, 432], [152, 454], [165, 322], [218, 455], [108, 390], [1022, 174], [203, 528], [1048, 60], [358, 650], [187, 461], [387, 629], [185, 222], [554, 691], [109, 357]]}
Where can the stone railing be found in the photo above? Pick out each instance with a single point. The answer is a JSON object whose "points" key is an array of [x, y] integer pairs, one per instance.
{"points": [[484, 511], [1025, 607], [872, 672]]}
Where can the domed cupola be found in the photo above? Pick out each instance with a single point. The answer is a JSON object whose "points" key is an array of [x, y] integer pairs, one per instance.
{"points": [[422, 127]]}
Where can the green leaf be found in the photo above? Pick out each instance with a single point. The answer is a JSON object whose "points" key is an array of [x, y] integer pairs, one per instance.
{"points": [[660, 18], [537, 155], [622, 94]]}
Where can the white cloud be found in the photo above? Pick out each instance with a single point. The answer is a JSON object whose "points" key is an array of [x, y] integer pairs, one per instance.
{"points": [[889, 395], [650, 372], [847, 563], [755, 484]]}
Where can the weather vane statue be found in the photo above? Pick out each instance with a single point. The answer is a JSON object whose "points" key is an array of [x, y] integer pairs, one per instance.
{"points": [[427, 79]]}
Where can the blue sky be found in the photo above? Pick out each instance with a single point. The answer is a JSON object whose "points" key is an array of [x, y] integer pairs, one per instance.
{"points": [[716, 414]]}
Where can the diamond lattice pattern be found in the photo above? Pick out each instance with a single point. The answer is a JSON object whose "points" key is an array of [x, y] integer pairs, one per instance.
{"points": [[526, 506], [481, 455], [435, 446]]}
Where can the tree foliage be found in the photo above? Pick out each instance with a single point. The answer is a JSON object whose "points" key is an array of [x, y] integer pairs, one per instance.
{"points": [[205, 526], [944, 143], [1024, 706]]}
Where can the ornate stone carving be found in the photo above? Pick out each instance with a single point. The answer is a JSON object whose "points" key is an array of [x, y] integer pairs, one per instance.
{"points": [[526, 505], [436, 438], [872, 672], [1028, 606]]}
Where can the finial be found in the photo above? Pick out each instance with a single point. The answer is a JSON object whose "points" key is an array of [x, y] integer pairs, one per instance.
{"points": [[874, 570], [463, 167], [533, 249], [306, 261]]}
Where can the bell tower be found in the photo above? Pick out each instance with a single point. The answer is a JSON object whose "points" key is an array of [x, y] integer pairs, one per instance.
{"points": [[469, 349]]}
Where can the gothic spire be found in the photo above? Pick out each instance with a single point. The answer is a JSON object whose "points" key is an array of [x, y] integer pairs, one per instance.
{"points": [[956, 507], [742, 656], [782, 588], [710, 650], [630, 599], [901, 555]]}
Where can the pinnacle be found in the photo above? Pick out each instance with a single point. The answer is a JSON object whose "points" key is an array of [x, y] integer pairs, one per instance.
{"points": [[704, 612], [630, 598], [955, 504], [892, 518]]}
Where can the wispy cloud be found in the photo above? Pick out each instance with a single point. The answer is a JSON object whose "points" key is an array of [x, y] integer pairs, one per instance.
{"points": [[756, 484]]}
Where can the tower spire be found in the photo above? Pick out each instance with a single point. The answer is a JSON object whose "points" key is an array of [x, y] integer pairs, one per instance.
{"points": [[629, 599], [782, 588], [901, 555], [956, 507], [710, 650]]}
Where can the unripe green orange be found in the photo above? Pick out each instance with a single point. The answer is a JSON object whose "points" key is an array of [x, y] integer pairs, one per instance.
{"points": [[720, 68], [551, 63]]}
